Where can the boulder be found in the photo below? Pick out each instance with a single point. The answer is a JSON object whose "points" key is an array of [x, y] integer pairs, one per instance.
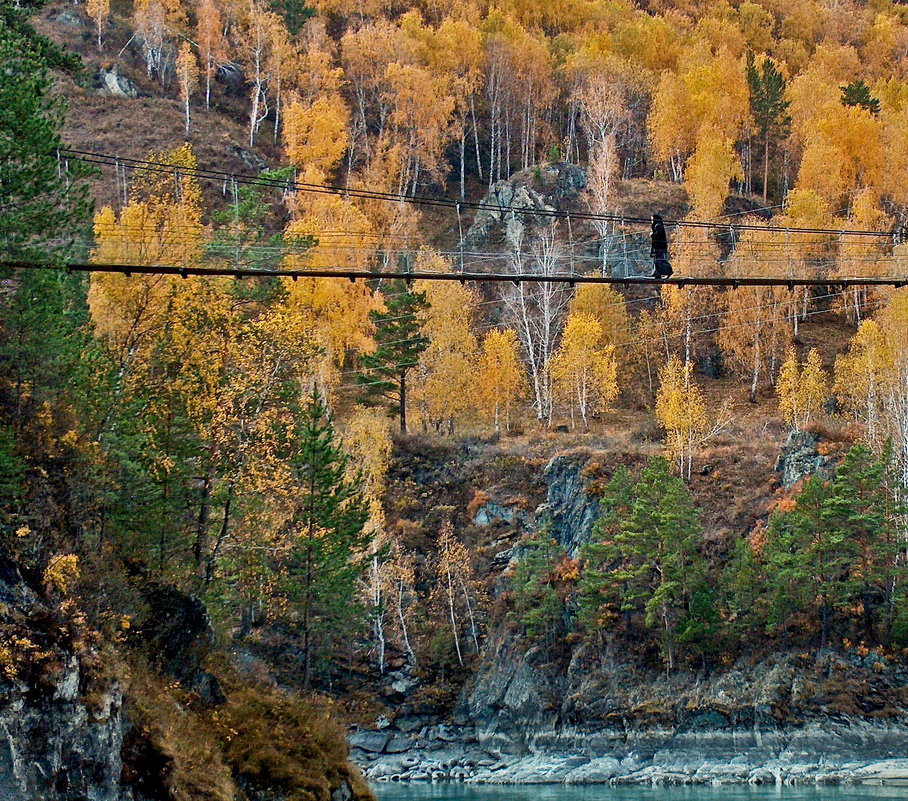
{"points": [[800, 458], [111, 82]]}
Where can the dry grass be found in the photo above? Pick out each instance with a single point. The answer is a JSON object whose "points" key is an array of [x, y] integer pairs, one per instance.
{"points": [[262, 740], [168, 732]]}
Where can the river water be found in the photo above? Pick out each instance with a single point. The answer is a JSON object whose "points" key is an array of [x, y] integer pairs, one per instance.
{"points": [[560, 792]]}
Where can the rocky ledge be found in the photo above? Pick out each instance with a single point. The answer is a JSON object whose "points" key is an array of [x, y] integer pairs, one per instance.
{"points": [[842, 752], [828, 717]]}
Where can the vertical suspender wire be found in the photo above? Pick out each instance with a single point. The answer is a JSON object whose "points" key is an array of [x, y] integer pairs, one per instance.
{"points": [[460, 231], [570, 244], [624, 265]]}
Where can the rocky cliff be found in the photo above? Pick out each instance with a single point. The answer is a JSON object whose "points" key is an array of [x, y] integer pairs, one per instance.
{"points": [[789, 718], [528, 715], [61, 729], [83, 720]]}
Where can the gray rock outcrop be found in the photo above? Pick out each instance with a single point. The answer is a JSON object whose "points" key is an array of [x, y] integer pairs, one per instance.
{"points": [[569, 510], [768, 723], [111, 82], [800, 458], [539, 189], [54, 744]]}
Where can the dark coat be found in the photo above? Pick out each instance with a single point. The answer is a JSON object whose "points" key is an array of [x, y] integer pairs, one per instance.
{"points": [[658, 239]]}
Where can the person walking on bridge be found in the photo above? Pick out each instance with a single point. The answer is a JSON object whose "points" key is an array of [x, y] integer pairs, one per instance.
{"points": [[659, 250]]}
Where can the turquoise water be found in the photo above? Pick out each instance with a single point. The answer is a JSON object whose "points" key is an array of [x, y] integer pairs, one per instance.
{"points": [[560, 792]]}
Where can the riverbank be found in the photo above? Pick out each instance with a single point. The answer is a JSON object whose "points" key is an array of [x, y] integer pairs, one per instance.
{"points": [[787, 719], [827, 752]]}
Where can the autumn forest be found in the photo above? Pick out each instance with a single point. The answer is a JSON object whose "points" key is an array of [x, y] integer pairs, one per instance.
{"points": [[249, 440]]}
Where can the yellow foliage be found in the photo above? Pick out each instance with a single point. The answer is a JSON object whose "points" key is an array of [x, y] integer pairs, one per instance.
{"points": [[710, 171], [801, 393], [187, 71], [500, 376], [606, 306], [864, 375], [681, 411], [315, 134], [160, 225], [787, 389], [708, 91], [366, 437], [446, 374], [62, 572], [584, 373], [334, 312]]}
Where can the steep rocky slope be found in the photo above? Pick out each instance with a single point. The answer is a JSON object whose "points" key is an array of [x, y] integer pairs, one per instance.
{"points": [[529, 714]]}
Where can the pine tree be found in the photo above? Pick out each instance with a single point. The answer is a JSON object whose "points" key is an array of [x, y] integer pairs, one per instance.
{"points": [[861, 513], [789, 555], [399, 343], [857, 93], [663, 533], [599, 591], [327, 539], [43, 207], [768, 106], [537, 606], [240, 238], [658, 565]]}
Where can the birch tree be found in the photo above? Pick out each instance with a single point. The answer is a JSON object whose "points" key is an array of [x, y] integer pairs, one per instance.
{"points": [[536, 310]]}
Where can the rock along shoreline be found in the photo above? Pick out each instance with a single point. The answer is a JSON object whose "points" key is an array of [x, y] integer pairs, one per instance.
{"points": [[821, 752]]}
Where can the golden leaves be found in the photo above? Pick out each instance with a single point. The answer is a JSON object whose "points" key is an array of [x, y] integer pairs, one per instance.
{"points": [[584, 373], [446, 374], [315, 135], [681, 411], [801, 392], [62, 572], [500, 376]]}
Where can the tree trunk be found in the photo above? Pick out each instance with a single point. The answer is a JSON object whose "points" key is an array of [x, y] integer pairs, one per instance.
{"points": [[453, 617], [403, 622], [756, 372], [377, 619], [201, 529], [463, 176], [403, 402], [222, 535]]}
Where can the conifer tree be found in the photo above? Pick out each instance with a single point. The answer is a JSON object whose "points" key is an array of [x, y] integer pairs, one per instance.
{"points": [[42, 206], [659, 542], [240, 238], [537, 606], [327, 539], [861, 513], [857, 93], [834, 550], [599, 590], [399, 343], [768, 106]]}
